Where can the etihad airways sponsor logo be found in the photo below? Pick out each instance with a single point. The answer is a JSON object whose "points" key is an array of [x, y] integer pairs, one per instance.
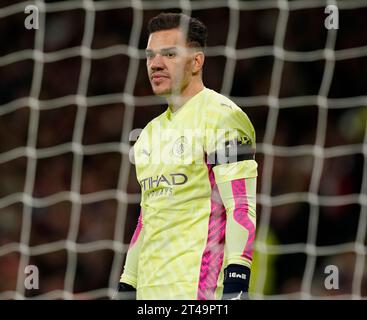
{"points": [[173, 179]]}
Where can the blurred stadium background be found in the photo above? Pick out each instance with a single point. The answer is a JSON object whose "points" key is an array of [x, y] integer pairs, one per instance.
{"points": [[71, 92]]}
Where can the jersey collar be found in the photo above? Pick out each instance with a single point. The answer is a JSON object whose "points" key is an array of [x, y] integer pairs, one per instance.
{"points": [[172, 115]]}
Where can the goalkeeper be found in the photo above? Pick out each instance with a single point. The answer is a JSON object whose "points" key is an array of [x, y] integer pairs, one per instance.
{"points": [[195, 165]]}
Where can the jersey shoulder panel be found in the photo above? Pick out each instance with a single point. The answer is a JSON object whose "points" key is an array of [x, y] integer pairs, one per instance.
{"points": [[155, 121], [219, 102], [147, 130], [221, 113]]}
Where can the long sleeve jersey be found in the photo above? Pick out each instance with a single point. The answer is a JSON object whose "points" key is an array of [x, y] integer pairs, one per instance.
{"points": [[197, 173]]}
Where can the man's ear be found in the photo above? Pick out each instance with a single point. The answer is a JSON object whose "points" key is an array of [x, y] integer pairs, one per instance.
{"points": [[198, 62]]}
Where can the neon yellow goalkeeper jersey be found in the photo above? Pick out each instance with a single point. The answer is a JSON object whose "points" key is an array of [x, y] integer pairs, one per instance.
{"points": [[178, 248]]}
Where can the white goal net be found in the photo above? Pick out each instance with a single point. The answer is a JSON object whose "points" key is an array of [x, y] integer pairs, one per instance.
{"points": [[72, 90]]}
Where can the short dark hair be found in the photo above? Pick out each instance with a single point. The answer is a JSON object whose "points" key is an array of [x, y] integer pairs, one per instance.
{"points": [[196, 30]]}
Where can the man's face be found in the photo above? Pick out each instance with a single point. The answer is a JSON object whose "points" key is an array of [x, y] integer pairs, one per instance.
{"points": [[169, 62]]}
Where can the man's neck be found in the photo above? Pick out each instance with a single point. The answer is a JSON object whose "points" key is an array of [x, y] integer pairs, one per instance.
{"points": [[177, 101]]}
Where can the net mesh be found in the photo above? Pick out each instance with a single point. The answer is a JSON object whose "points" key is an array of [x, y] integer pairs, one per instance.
{"points": [[74, 90]]}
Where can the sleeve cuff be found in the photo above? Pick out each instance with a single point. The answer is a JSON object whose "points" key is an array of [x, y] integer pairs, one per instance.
{"points": [[238, 170], [239, 260]]}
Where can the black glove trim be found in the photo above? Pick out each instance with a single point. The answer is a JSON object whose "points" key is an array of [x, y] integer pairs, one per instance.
{"points": [[124, 287], [236, 282], [125, 292]]}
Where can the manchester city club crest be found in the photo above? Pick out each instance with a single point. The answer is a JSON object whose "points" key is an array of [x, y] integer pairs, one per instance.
{"points": [[179, 146]]}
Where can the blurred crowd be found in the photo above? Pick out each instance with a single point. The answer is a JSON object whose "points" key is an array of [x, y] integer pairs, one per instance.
{"points": [[296, 126]]}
